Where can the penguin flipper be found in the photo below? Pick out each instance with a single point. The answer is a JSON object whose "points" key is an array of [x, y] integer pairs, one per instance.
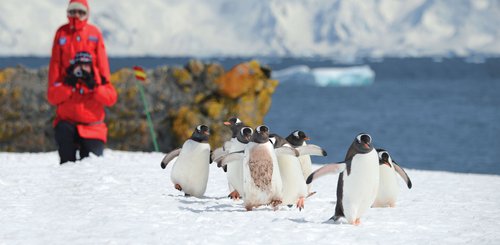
{"points": [[312, 150], [169, 157], [287, 150], [332, 168], [403, 174], [235, 156], [218, 153]]}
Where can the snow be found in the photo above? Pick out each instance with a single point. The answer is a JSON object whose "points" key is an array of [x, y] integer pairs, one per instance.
{"points": [[125, 197], [339, 29]]}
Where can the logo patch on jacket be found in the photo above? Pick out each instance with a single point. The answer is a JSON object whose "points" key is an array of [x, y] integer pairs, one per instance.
{"points": [[93, 39], [62, 41]]}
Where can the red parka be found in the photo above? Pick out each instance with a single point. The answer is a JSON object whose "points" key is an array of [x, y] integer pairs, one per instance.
{"points": [[82, 106]]}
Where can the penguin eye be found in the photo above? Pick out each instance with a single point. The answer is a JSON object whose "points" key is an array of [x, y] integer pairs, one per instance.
{"points": [[246, 130], [364, 138], [262, 128], [202, 127]]}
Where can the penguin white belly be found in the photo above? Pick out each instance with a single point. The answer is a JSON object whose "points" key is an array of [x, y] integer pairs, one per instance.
{"points": [[389, 189], [235, 168], [191, 168], [261, 176], [306, 166], [294, 185], [360, 187]]}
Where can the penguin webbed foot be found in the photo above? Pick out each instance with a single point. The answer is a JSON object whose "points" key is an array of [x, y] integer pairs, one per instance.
{"points": [[178, 187], [275, 204], [234, 195], [300, 203]]}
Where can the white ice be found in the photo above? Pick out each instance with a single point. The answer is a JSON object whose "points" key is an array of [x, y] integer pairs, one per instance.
{"points": [[126, 198]]}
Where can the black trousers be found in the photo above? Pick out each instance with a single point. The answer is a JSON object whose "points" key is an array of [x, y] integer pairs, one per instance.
{"points": [[69, 141]]}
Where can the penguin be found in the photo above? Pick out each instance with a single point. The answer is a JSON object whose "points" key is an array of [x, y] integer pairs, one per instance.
{"points": [[190, 170], [298, 138], [261, 176], [388, 190], [230, 146], [294, 184], [235, 167], [358, 180]]}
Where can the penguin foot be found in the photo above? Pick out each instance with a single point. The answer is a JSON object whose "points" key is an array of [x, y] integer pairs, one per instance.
{"points": [[357, 222], [275, 203], [339, 220], [248, 208], [300, 203], [234, 195], [178, 187], [186, 195]]}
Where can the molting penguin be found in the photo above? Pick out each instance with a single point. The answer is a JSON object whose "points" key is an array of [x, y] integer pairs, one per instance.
{"points": [[358, 180], [389, 189], [190, 171], [261, 176]]}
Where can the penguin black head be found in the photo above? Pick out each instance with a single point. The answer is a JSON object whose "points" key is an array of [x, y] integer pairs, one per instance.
{"points": [[261, 134], [384, 157], [235, 124], [201, 133], [297, 138], [245, 135], [363, 143]]}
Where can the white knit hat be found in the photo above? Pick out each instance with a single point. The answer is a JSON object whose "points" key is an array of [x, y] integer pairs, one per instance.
{"points": [[77, 6]]}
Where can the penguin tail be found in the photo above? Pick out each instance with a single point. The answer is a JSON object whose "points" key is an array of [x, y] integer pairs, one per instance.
{"points": [[331, 168]]}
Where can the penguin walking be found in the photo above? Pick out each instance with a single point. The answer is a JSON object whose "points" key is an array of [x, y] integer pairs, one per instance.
{"points": [[190, 170], [358, 180], [294, 184], [296, 139], [389, 189], [261, 175], [235, 165], [235, 144]]}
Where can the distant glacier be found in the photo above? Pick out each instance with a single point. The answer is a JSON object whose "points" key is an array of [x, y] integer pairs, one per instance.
{"points": [[338, 29]]}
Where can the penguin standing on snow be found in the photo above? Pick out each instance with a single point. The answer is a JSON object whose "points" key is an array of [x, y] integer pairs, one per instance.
{"points": [[234, 163], [294, 184], [190, 171], [388, 190], [298, 138], [358, 180], [261, 176]]}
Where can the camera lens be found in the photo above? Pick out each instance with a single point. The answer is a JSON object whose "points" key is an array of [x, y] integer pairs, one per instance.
{"points": [[78, 73]]}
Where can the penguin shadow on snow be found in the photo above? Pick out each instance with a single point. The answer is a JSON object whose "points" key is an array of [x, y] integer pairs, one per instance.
{"points": [[205, 202]]}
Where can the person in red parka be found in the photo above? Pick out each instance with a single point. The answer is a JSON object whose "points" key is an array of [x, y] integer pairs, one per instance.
{"points": [[79, 85]]}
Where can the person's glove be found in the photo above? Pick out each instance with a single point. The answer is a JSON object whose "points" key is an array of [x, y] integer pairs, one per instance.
{"points": [[88, 79], [70, 78]]}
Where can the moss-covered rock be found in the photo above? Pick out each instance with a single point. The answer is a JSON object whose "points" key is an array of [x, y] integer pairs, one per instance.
{"points": [[179, 98]]}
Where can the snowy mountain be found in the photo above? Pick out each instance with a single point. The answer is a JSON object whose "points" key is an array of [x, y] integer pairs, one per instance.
{"points": [[325, 28], [126, 198]]}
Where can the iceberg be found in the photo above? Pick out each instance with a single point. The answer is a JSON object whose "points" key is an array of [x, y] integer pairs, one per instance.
{"points": [[348, 76], [326, 76]]}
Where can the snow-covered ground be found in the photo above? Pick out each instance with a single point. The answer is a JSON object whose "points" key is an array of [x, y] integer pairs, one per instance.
{"points": [[126, 198], [341, 29]]}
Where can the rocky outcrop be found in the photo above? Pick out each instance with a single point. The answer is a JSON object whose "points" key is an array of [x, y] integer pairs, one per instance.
{"points": [[179, 98]]}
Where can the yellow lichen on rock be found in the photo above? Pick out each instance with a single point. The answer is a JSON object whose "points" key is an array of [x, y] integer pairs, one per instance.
{"points": [[6, 74], [185, 119]]}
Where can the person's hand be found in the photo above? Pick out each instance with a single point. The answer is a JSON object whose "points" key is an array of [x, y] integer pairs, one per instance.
{"points": [[70, 78], [88, 79]]}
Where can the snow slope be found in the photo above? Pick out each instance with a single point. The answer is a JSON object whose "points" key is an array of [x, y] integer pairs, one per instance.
{"points": [[326, 28], [126, 198]]}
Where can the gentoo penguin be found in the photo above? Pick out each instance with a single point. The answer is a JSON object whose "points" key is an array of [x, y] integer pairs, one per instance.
{"points": [[388, 190], [230, 146], [235, 167], [190, 171], [298, 138], [294, 184], [358, 180], [261, 176]]}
